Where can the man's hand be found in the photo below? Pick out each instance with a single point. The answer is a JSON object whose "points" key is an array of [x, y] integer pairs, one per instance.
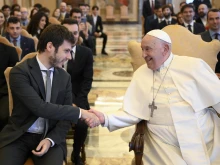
{"points": [[100, 115], [90, 119], [42, 147]]}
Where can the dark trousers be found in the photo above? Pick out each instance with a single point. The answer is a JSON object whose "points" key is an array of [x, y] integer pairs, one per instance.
{"points": [[17, 152], [4, 111], [105, 37], [79, 137]]}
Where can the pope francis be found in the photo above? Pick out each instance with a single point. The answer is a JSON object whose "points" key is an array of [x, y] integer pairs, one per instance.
{"points": [[179, 97]]}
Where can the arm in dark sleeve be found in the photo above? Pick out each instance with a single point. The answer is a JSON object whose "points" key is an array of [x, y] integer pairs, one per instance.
{"points": [[87, 80], [27, 95], [101, 26], [13, 56]]}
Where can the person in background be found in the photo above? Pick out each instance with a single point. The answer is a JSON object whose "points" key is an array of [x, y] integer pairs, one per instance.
{"points": [[16, 13], [213, 21], [33, 11], [202, 15], [154, 24], [196, 4], [15, 7], [37, 6], [56, 13], [37, 24], [14, 36], [63, 12], [179, 18], [45, 10], [24, 17], [6, 10], [80, 68], [2, 24]]}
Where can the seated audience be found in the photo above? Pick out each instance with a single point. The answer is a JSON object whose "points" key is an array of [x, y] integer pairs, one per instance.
{"points": [[45, 10], [188, 22], [167, 15], [154, 24], [15, 7], [14, 36], [179, 18], [16, 13], [37, 24], [202, 15], [33, 11], [56, 13], [63, 12]]}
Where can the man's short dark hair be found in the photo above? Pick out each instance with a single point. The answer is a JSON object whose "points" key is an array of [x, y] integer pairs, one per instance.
{"points": [[82, 4], [182, 3], [95, 7], [38, 5], [56, 34], [166, 6], [13, 11], [69, 21], [44, 10], [75, 10], [212, 10], [187, 6], [13, 20], [5, 7]]}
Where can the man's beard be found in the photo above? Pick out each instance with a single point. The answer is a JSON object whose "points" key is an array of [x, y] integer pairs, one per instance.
{"points": [[53, 60], [202, 15], [167, 15]]}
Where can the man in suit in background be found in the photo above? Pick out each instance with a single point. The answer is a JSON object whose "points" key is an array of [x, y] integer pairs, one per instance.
{"points": [[168, 20], [42, 104], [148, 10], [188, 22], [202, 15], [96, 22], [154, 24], [80, 68], [196, 4], [8, 58], [213, 20], [14, 36], [63, 13], [88, 39]]}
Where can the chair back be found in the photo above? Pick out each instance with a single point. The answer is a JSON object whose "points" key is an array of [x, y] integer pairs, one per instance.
{"points": [[26, 34], [184, 43], [124, 13], [6, 42], [110, 12]]}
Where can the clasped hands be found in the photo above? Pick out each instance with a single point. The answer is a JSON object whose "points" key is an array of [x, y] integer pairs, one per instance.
{"points": [[92, 117]]}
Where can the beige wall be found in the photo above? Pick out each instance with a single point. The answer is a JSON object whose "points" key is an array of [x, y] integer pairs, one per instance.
{"points": [[216, 3], [50, 4]]}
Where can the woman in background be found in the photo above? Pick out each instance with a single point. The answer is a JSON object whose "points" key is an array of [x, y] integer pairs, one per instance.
{"points": [[2, 24], [33, 11], [37, 24], [56, 13]]}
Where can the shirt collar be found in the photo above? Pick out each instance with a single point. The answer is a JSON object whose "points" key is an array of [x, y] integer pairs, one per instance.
{"points": [[42, 67], [212, 33], [186, 24], [166, 63], [74, 49], [18, 38]]}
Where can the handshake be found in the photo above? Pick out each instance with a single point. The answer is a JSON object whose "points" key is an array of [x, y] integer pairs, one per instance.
{"points": [[92, 117]]}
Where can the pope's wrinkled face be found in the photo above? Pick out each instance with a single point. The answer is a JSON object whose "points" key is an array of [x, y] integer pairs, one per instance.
{"points": [[153, 52]]}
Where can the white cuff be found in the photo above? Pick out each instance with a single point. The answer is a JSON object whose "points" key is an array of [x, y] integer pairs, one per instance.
{"points": [[80, 114], [52, 142]]}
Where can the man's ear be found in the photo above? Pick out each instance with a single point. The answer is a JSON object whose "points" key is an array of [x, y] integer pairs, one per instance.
{"points": [[50, 47], [166, 48]]}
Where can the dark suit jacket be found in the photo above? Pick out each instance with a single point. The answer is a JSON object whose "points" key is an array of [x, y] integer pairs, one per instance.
{"points": [[198, 20], [147, 22], [147, 10], [8, 58], [27, 45], [98, 27], [81, 72], [154, 24], [206, 37], [164, 23], [28, 93], [198, 28]]}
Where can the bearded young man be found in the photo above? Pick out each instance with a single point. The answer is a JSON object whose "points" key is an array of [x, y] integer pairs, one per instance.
{"points": [[173, 94], [42, 104]]}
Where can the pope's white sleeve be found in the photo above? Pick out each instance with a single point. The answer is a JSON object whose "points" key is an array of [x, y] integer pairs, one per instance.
{"points": [[119, 119]]}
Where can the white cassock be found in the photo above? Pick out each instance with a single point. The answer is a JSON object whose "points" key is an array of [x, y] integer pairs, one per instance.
{"points": [[182, 131]]}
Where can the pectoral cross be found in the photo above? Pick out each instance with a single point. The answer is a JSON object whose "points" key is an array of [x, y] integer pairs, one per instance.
{"points": [[152, 108]]}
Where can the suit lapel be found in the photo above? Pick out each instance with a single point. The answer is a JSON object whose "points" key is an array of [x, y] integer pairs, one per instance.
{"points": [[37, 75], [55, 86]]}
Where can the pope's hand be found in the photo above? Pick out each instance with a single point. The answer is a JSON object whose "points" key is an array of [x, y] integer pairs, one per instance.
{"points": [[91, 119], [99, 114]]}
